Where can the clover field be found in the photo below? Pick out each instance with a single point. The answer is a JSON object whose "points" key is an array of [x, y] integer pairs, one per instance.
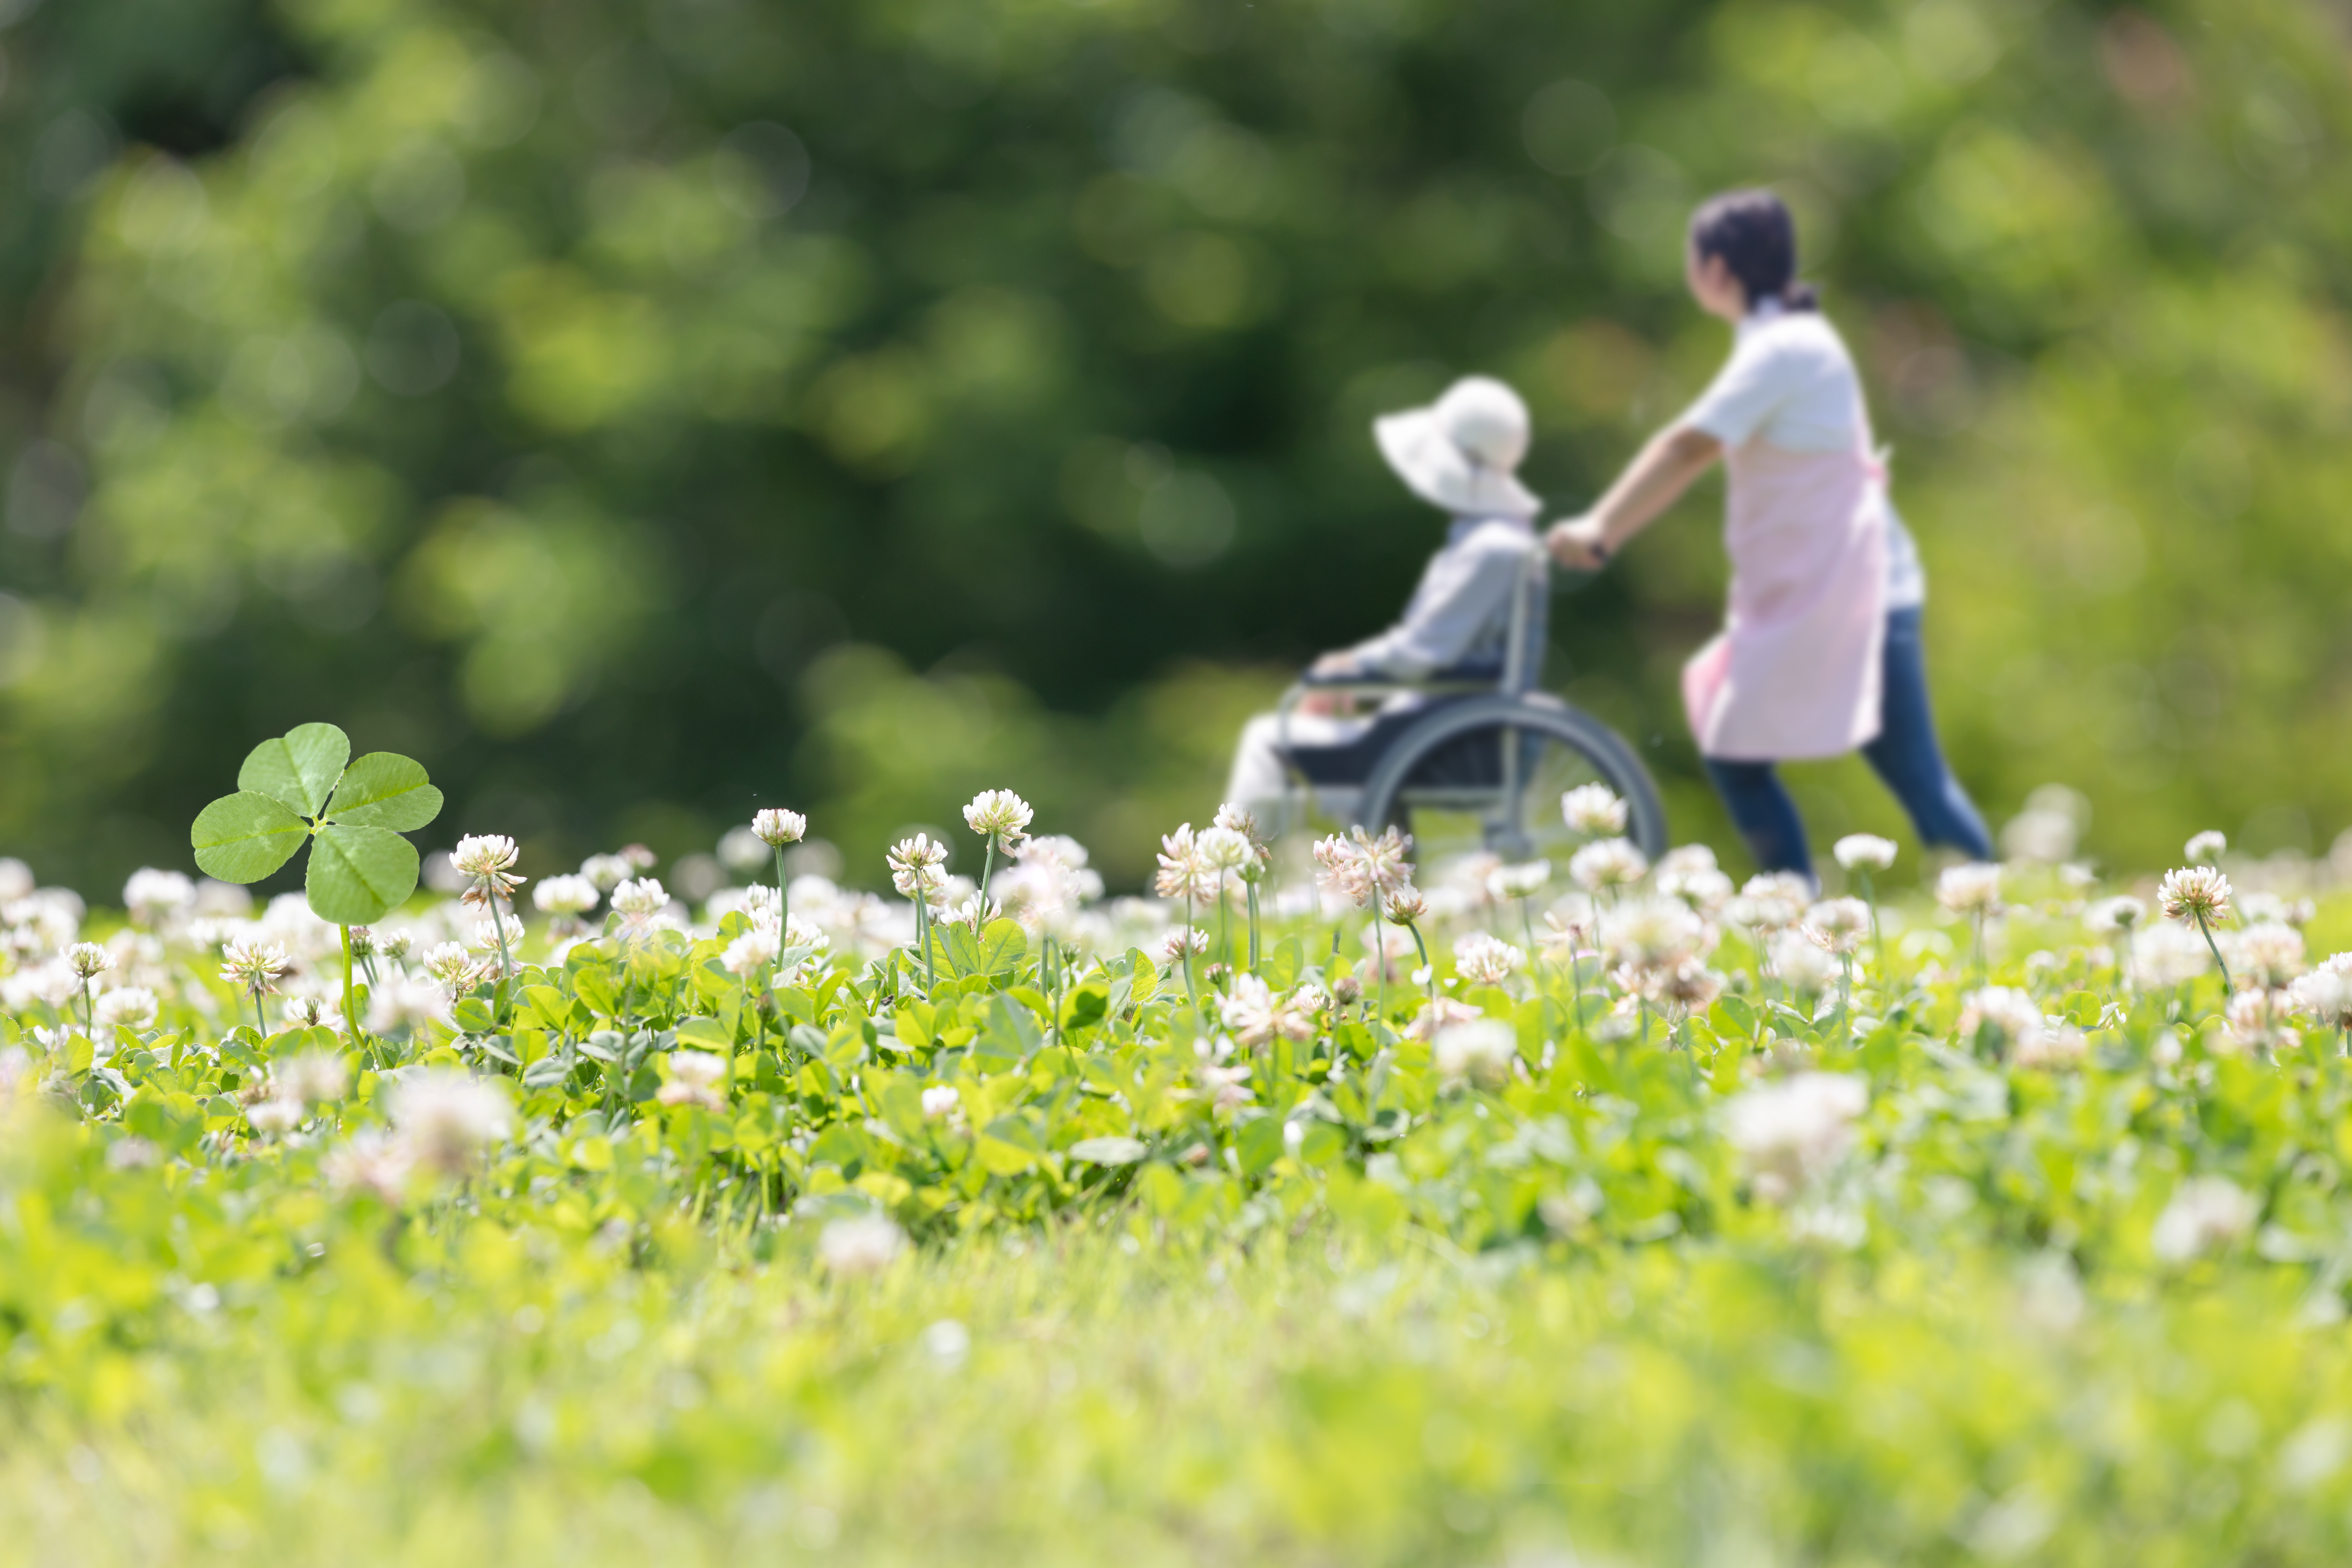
{"points": [[1602, 1214]]}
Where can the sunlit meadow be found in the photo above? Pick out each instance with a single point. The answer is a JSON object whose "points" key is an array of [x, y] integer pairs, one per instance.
{"points": [[1323, 1207]]}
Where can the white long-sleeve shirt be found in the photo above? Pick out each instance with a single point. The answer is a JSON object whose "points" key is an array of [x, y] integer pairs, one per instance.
{"points": [[1460, 614]]}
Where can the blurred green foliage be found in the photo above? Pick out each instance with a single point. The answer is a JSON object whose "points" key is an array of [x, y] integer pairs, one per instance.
{"points": [[581, 395]]}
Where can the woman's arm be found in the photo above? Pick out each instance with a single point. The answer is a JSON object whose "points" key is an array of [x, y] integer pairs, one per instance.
{"points": [[1653, 482]]}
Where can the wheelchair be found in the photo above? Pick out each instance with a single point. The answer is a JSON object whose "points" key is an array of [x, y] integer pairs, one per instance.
{"points": [[1473, 759]]}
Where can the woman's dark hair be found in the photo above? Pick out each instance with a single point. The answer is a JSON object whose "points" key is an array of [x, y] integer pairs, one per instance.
{"points": [[1756, 238]]}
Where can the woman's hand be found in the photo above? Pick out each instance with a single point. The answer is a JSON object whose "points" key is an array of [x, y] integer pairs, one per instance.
{"points": [[1576, 543], [1331, 666]]}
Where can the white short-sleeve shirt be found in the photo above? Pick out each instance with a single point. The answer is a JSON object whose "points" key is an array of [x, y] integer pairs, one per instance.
{"points": [[1792, 383]]}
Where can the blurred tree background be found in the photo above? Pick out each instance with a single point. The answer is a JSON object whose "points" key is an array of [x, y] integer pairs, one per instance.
{"points": [[642, 410]]}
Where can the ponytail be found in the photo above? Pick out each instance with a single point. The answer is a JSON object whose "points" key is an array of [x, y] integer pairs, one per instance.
{"points": [[1757, 237]]}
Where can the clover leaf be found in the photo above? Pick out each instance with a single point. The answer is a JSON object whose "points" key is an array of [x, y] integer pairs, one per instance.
{"points": [[303, 786]]}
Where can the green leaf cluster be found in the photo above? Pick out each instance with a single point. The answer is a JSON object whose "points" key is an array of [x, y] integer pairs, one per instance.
{"points": [[304, 786]]}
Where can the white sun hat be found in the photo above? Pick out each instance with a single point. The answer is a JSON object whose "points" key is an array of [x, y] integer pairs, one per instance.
{"points": [[1459, 453]]}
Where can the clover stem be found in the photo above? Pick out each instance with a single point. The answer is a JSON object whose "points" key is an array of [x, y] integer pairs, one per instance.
{"points": [[1381, 949], [350, 1013], [1427, 968], [1253, 927], [2207, 932], [506, 963], [783, 899], [1575, 981], [923, 918], [1877, 942], [1192, 993], [90, 1009], [1225, 927]]}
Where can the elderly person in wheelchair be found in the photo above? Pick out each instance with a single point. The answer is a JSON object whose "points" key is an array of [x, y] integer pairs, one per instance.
{"points": [[1436, 725]]}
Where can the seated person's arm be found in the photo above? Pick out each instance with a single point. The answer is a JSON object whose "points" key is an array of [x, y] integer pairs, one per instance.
{"points": [[1653, 482], [1463, 592]]}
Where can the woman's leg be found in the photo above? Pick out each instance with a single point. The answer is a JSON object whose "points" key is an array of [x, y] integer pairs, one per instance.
{"points": [[1767, 818], [1907, 756]]}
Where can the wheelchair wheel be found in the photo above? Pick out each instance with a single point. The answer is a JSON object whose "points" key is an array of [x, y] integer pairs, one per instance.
{"points": [[1486, 775]]}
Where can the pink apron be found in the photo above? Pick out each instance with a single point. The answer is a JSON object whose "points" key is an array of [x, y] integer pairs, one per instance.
{"points": [[1794, 674]]}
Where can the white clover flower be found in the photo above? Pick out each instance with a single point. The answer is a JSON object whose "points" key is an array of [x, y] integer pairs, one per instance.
{"points": [[2121, 913], [2059, 1044], [1704, 888], [2256, 1019], [448, 1119], [1570, 926], [865, 1246], [1479, 1051], [406, 1002], [129, 1008], [998, 815], [1772, 901], [1237, 818], [1482, 960], [2324, 995], [567, 897], [371, 1162], [15, 880], [153, 897], [315, 1077], [1864, 852], [1611, 863], [2266, 957], [694, 1079], [2194, 895], [1523, 880], [942, 1102], [2207, 1214], [1838, 925], [458, 970], [273, 1117], [1386, 861], [1593, 809], [1652, 934], [254, 967], [1405, 907], [483, 858], [90, 960], [753, 953], [1178, 940], [640, 899], [1184, 872], [2014, 1019], [778, 828], [1688, 987], [918, 866], [2205, 848], [1226, 849], [1799, 962], [1973, 888], [605, 872], [2163, 956], [975, 911], [1438, 1014], [309, 1011], [1790, 1134]]}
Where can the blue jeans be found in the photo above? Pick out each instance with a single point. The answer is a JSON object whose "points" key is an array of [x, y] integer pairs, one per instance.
{"points": [[1904, 755]]}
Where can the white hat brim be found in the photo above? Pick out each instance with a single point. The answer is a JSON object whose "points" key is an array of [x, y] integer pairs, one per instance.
{"points": [[1417, 447]]}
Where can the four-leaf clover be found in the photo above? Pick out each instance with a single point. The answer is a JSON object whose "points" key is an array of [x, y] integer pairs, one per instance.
{"points": [[298, 787]]}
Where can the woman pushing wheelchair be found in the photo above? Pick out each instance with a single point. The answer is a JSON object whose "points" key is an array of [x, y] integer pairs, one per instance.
{"points": [[1819, 654]]}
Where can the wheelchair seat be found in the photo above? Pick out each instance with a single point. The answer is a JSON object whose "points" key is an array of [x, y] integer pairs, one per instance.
{"points": [[1351, 762]]}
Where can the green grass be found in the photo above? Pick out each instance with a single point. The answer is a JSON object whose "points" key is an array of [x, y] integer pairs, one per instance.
{"points": [[1554, 1319]]}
